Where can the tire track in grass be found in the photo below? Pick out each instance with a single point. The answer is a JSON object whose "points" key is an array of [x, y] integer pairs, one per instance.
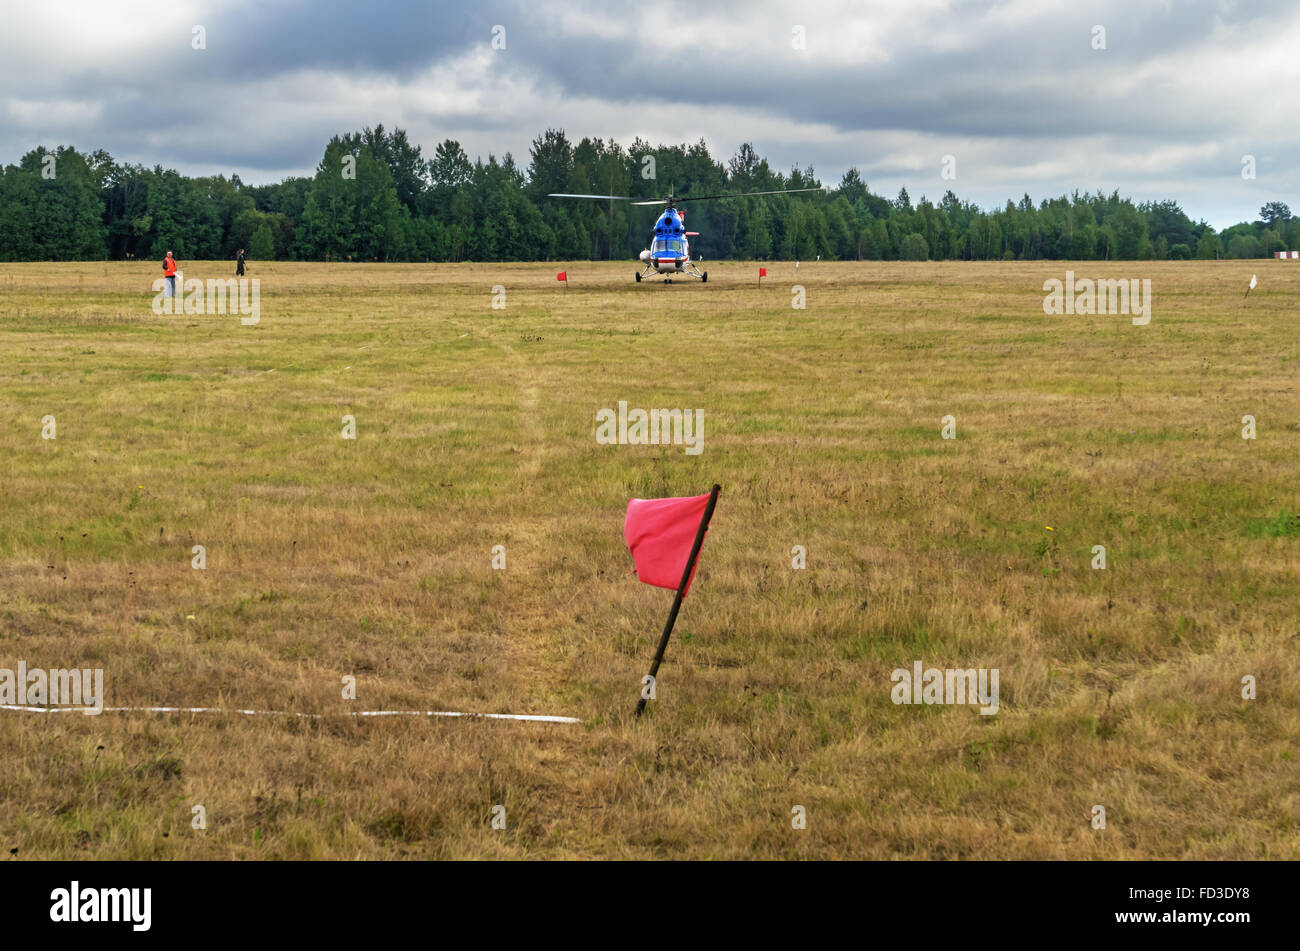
{"points": [[533, 609]]}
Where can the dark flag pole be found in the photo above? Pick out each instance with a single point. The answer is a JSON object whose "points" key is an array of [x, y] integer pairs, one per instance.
{"points": [[681, 589]]}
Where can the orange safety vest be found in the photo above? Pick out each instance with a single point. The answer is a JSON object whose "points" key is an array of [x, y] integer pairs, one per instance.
{"points": [[169, 267]]}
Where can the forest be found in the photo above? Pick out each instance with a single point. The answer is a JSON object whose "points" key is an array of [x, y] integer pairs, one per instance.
{"points": [[376, 196]]}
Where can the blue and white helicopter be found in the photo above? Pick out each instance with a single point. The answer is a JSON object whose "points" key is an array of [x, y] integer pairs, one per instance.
{"points": [[669, 252]]}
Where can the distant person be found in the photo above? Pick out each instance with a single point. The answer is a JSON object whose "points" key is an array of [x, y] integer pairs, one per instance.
{"points": [[169, 272], [239, 263]]}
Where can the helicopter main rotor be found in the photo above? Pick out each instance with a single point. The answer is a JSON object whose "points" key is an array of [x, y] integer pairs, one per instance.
{"points": [[672, 201]]}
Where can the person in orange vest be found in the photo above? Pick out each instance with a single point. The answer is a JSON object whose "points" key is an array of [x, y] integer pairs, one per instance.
{"points": [[169, 272]]}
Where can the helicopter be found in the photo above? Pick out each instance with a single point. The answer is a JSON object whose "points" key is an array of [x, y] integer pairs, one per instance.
{"points": [[669, 252]]}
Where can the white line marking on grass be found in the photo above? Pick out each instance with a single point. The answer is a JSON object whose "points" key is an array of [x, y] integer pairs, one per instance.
{"points": [[531, 717]]}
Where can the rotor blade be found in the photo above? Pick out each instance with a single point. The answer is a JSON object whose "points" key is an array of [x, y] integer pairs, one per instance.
{"points": [[652, 201], [782, 191], [610, 197]]}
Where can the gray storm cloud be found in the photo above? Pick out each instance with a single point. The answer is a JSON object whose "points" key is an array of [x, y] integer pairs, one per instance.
{"points": [[1014, 90]]}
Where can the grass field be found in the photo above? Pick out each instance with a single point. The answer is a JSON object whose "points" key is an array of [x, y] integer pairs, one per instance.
{"points": [[371, 557]]}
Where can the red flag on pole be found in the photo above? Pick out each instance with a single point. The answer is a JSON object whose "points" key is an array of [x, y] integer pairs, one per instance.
{"points": [[665, 537], [762, 272], [563, 276], [660, 534]]}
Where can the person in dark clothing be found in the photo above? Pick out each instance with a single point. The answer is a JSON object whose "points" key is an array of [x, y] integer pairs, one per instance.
{"points": [[239, 263]]}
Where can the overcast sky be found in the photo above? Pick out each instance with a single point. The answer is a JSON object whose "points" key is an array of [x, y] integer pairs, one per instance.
{"points": [[1014, 91]]}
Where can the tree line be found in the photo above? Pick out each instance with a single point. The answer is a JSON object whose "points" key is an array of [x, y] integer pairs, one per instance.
{"points": [[375, 196]]}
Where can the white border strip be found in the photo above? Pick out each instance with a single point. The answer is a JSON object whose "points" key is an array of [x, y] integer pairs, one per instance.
{"points": [[531, 717]]}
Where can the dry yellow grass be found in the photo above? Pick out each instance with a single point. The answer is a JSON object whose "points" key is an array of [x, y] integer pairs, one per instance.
{"points": [[475, 428]]}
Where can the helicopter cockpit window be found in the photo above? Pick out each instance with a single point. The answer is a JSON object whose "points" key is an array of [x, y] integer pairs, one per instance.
{"points": [[669, 245]]}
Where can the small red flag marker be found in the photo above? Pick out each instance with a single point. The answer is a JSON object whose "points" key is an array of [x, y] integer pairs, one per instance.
{"points": [[762, 273], [563, 276], [664, 537]]}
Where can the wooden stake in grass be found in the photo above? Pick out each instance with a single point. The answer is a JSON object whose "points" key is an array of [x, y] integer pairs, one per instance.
{"points": [[646, 568], [126, 602]]}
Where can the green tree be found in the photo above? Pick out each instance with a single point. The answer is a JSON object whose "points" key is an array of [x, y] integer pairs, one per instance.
{"points": [[1275, 212], [375, 197], [1243, 246], [914, 248], [51, 208], [552, 161], [1208, 247], [1131, 241], [262, 245]]}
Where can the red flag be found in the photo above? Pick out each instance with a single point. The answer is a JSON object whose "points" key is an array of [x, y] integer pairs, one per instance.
{"points": [[762, 272], [563, 276], [660, 534]]}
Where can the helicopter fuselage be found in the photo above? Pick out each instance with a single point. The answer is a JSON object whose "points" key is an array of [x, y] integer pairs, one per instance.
{"points": [[669, 250]]}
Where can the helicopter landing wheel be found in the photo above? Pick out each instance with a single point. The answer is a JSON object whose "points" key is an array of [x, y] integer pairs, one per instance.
{"points": [[705, 278], [638, 277]]}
